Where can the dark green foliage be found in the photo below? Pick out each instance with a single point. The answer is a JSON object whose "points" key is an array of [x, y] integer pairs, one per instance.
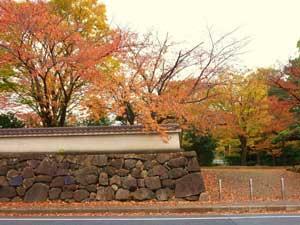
{"points": [[204, 146], [104, 121], [233, 160], [9, 120], [290, 134], [280, 93], [290, 156]]}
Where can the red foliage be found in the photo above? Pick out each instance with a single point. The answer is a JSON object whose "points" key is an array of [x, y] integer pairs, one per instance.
{"points": [[282, 117]]}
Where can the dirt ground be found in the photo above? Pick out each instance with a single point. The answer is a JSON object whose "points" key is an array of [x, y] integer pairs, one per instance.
{"points": [[266, 183]]}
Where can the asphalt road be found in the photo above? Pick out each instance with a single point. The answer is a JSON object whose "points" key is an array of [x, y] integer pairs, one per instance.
{"points": [[211, 220]]}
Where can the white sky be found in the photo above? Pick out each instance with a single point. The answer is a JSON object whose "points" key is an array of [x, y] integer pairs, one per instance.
{"points": [[272, 25]]}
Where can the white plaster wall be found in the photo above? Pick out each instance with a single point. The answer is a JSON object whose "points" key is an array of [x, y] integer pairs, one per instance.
{"points": [[101, 143]]}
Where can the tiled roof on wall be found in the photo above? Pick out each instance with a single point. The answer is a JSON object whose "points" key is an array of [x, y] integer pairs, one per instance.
{"points": [[79, 131]]}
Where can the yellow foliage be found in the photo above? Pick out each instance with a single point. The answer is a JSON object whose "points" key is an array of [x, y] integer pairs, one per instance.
{"points": [[245, 100], [90, 13]]}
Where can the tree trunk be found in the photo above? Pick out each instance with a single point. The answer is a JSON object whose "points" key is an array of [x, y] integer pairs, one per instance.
{"points": [[47, 119], [258, 161], [244, 150], [130, 116], [62, 119], [273, 160]]}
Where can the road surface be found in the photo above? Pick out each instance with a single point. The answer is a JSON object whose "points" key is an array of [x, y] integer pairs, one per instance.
{"points": [[209, 220]]}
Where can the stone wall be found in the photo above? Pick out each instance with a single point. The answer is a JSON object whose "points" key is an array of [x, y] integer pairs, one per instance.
{"points": [[100, 177]]}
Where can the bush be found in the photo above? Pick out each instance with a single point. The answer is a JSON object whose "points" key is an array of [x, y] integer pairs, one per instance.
{"points": [[204, 146], [233, 160], [104, 121], [9, 120], [290, 156]]}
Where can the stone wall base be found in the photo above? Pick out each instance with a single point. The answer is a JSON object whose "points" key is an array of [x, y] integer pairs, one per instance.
{"points": [[100, 177]]}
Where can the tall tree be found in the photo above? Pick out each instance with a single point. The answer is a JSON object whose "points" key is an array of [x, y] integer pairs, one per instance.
{"points": [[251, 114], [50, 59], [159, 81], [286, 82]]}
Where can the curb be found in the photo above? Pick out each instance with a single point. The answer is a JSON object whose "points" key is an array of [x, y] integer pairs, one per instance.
{"points": [[177, 210]]}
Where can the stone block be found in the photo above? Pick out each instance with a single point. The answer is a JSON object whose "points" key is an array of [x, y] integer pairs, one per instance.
{"points": [[38, 192], [105, 194], [54, 193], [163, 157], [129, 163], [28, 172], [153, 183], [158, 170], [129, 183], [143, 194], [193, 165], [177, 162], [58, 182], [15, 181], [81, 195], [46, 167], [103, 179], [117, 163], [163, 194], [99, 160], [176, 173], [115, 180], [122, 195], [66, 195], [189, 185]]}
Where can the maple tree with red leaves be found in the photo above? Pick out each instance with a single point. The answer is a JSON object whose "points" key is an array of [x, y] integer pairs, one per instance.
{"points": [[158, 82], [288, 81], [48, 58], [286, 84]]}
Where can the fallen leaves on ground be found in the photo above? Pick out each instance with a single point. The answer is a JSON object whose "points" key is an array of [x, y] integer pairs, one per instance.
{"points": [[266, 184]]}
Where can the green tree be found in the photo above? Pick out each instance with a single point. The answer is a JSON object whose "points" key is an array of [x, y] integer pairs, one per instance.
{"points": [[204, 146], [9, 120], [103, 121]]}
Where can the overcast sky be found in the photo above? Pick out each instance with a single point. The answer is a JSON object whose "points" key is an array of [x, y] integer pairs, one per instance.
{"points": [[272, 25]]}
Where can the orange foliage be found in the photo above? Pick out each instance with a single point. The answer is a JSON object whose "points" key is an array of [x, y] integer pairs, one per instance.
{"points": [[51, 59], [30, 119], [252, 117], [281, 116], [158, 84]]}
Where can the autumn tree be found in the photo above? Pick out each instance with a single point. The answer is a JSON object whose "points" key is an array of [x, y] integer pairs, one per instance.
{"points": [[287, 82], [159, 80], [251, 115], [288, 79], [50, 60]]}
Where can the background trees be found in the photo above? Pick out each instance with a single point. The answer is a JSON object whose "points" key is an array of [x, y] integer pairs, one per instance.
{"points": [[251, 116]]}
